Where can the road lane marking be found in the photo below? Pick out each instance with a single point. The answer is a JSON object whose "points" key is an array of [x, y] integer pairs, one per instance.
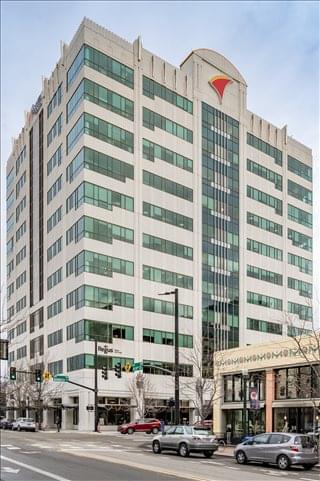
{"points": [[212, 462], [33, 468], [232, 467], [5, 445], [7, 469], [13, 447]]}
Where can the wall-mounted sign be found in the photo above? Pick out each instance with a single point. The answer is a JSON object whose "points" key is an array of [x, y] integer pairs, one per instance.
{"points": [[106, 350], [219, 83], [254, 401]]}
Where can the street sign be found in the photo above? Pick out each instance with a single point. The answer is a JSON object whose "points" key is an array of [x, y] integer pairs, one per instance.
{"points": [[47, 376], [61, 378], [137, 366], [127, 367]]}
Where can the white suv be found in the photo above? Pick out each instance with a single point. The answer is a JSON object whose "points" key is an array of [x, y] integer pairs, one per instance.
{"points": [[26, 424]]}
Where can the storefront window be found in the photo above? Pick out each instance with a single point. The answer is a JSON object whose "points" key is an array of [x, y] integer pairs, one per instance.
{"points": [[305, 382], [237, 388], [280, 380], [228, 391], [293, 383]]}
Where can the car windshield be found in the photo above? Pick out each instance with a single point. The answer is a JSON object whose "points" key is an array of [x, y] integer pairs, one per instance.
{"points": [[28, 420]]}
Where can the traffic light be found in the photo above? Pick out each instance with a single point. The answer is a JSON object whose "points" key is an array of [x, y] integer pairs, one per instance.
{"points": [[117, 369], [13, 373], [104, 372], [38, 375]]}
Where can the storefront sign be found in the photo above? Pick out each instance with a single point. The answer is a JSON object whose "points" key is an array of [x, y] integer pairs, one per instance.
{"points": [[267, 356]]}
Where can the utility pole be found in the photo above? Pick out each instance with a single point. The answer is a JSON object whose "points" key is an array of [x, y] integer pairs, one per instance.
{"points": [[96, 414], [245, 377], [176, 354]]}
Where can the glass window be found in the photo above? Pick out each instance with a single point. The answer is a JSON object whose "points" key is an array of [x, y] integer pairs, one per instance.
{"points": [[281, 383], [277, 439], [261, 439], [167, 185], [300, 216], [299, 168], [264, 224], [152, 119], [152, 89], [153, 151], [265, 173], [265, 148], [299, 192], [264, 198]]}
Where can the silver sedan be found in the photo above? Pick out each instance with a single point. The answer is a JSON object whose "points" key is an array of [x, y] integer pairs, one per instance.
{"points": [[185, 440]]}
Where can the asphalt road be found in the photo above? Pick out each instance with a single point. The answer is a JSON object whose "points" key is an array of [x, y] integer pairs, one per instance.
{"points": [[44, 456]]}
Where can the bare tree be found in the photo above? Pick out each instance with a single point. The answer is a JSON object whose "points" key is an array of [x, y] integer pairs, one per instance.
{"points": [[307, 341], [25, 393], [204, 387], [140, 388]]}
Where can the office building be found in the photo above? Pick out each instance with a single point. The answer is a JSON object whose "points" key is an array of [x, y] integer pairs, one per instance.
{"points": [[131, 177]]}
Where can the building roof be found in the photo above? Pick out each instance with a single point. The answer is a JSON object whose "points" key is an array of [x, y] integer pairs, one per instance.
{"points": [[217, 60]]}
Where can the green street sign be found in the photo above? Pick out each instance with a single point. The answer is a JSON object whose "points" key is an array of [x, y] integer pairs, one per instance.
{"points": [[61, 378], [137, 366]]}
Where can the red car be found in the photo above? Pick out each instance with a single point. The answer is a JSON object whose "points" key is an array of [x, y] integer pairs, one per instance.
{"points": [[206, 423], [141, 426]]}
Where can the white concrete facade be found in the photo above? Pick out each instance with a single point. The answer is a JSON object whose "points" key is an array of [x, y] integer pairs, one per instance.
{"points": [[190, 81]]}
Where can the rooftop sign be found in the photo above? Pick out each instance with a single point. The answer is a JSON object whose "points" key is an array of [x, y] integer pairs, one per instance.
{"points": [[219, 83]]}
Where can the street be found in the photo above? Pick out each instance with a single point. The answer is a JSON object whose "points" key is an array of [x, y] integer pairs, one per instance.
{"points": [[44, 456]]}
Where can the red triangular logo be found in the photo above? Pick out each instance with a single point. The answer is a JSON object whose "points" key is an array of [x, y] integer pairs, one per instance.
{"points": [[219, 83]]}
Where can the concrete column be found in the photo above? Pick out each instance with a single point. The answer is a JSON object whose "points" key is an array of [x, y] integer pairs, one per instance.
{"points": [[269, 399], [218, 418]]}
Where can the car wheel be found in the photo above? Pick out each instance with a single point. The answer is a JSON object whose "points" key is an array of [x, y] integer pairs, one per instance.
{"points": [[208, 454], [308, 466], [241, 458], [183, 450], [283, 462], [156, 447], [18, 428], [130, 431], [155, 430]]}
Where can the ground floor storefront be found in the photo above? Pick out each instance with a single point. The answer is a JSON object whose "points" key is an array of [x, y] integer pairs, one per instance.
{"points": [[267, 388]]}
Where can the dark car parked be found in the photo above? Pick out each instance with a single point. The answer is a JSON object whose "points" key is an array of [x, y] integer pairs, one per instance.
{"points": [[6, 423]]}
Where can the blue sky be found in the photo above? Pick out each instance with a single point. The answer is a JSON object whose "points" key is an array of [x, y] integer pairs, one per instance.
{"points": [[275, 45]]}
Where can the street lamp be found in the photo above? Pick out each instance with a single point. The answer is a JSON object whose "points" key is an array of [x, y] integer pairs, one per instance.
{"points": [[245, 377], [96, 338], [176, 353]]}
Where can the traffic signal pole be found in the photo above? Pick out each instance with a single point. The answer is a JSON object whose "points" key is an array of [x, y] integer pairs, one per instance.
{"points": [[176, 358]]}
